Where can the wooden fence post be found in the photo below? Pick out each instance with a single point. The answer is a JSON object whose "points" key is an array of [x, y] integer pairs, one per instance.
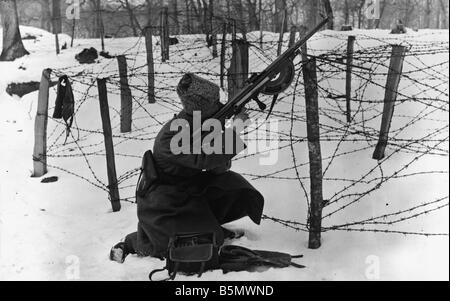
{"points": [[164, 33], [293, 35], [40, 127], [126, 99], [238, 72], [109, 146], [223, 53], [148, 32], [280, 40], [393, 81], [348, 80], [315, 154]]}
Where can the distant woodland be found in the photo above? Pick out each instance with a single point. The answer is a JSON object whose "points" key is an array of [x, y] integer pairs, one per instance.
{"points": [[121, 18]]}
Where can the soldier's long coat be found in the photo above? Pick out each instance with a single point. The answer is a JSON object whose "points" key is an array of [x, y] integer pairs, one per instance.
{"points": [[194, 193]]}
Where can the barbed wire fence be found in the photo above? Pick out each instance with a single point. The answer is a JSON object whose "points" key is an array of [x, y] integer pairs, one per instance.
{"points": [[419, 131]]}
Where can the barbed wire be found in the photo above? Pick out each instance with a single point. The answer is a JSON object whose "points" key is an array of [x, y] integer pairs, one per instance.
{"points": [[420, 132]]}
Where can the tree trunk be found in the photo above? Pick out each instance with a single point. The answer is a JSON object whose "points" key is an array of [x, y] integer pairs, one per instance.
{"points": [[438, 19], [280, 10], [444, 14], [175, 16], [382, 9], [197, 15], [346, 12], [99, 19], [312, 13], [329, 11], [410, 7], [428, 14], [12, 42], [252, 15], [131, 16], [240, 11], [360, 13], [188, 16], [46, 15]]}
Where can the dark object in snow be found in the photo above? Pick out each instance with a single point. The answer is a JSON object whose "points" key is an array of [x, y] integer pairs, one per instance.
{"points": [[398, 28], [106, 55], [21, 89], [29, 37], [87, 56], [192, 254], [108, 36], [64, 46], [196, 253], [346, 28], [209, 41], [173, 41], [64, 104], [49, 180], [238, 259]]}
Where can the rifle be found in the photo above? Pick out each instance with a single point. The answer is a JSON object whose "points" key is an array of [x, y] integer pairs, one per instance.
{"points": [[276, 78]]}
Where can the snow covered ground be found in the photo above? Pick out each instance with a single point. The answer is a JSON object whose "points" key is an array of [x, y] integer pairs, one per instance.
{"points": [[64, 230]]}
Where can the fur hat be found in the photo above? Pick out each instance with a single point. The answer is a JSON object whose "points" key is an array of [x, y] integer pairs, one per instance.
{"points": [[198, 94]]}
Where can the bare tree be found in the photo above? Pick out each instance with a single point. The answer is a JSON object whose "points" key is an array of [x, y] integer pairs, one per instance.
{"points": [[253, 15], [428, 11], [329, 12], [444, 14], [12, 42], [46, 15], [382, 10], [409, 7], [360, 9], [175, 16], [312, 13], [280, 20], [346, 12]]}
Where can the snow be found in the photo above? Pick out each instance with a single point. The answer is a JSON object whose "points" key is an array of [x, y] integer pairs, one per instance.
{"points": [[64, 230]]}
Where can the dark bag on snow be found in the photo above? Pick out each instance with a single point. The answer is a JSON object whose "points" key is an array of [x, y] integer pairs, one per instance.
{"points": [[237, 259], [191, 254], [87, 56]]}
